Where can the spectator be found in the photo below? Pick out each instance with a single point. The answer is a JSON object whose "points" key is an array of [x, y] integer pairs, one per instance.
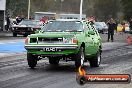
{"points": [[44, 19], [18, 19], [130, 24], [116, 25], [22, 17], [111, 26], [8, 22], [123, 25], [31, 18]]}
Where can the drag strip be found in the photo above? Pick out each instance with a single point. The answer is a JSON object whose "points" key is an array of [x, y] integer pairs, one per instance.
{"points": [[15, 73]]}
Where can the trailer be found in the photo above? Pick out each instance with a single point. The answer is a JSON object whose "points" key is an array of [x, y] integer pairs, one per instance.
{"points": [[71, 16], [52, 15], [48, 15]]}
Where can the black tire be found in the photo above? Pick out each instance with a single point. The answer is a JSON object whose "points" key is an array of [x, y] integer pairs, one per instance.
{"points": [[54, 60], [14, 34], [80, 57], [95, 61], [32, 60]]}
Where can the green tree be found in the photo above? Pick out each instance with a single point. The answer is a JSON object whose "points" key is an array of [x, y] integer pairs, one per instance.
{"points": [[101, 9], [16, 7], [105, 9], [127, 5]]}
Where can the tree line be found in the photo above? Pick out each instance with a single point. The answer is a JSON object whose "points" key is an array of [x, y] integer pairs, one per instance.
{"points": [[101, 9]]}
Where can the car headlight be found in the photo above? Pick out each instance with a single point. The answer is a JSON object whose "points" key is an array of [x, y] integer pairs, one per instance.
{"points": [[74, 41], [65, 40], [70, 40]]}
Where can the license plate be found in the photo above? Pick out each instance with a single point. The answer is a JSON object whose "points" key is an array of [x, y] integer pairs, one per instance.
{"points": [[50, 49]]}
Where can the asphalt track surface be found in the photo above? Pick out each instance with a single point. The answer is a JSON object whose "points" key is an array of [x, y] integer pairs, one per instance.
{"points": [[15, 73]]}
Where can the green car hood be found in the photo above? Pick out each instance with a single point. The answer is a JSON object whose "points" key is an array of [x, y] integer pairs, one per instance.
{"points": [[54, 34]]}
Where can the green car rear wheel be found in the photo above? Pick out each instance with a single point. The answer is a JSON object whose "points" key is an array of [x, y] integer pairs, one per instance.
{"points": [[80, 57], [32, 60], [95, 61]]}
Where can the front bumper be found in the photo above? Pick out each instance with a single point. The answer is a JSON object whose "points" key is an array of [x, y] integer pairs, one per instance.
{"points": [[60, 50]]}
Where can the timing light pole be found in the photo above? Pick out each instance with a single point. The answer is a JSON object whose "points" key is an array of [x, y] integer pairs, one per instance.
{"points": [[29, 8], [81, 9], [61, 5]]}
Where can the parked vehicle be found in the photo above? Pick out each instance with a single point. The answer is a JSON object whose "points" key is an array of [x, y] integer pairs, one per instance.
{"points": [[66, 39], [26, 27], [71, 16], [101, 27]]}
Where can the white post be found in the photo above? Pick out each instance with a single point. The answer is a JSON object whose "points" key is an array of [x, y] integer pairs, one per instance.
{"points": [[28, 9], [4, 22], [4, 17], [81, 9], [61, 5]]}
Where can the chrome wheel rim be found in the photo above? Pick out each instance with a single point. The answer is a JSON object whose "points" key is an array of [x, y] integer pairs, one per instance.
{"points": [[99, 59], [82, 58]]}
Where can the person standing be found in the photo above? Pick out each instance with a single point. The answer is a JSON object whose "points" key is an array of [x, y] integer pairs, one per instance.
{"points": [[18, 19], [123, 26], [116, 25], [130, 24], [44, 19], [111, 27], [8, 22], [22, 17]]}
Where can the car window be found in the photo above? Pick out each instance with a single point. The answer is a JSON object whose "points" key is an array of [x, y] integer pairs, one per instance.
{"points": [[63, 26], [27, 22]]}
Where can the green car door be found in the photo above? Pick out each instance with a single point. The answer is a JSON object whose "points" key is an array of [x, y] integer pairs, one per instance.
{"points": [[92, 41]]}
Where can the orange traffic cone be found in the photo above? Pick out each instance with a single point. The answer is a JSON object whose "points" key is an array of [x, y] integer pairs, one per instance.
{"points": [[128, 40]]}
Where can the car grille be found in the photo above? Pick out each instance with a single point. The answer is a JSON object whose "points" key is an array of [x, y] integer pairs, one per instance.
{"points": [[50, 40]]}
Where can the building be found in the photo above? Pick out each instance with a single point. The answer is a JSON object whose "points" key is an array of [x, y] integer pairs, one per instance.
{"points": [[2, 14]]}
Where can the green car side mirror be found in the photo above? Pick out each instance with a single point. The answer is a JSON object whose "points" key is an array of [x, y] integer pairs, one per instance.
{"points": [[91, 32], [37, 31]]}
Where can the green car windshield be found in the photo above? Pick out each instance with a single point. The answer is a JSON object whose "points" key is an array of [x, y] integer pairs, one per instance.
{"points": [[66, 26]]}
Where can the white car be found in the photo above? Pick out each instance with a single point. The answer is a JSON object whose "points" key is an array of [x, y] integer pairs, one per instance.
{"points": [[101, 27]]}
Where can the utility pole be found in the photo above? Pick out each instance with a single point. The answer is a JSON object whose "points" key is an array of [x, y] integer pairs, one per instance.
{"points": [[29, 8], [81, 9], [61, 5]]}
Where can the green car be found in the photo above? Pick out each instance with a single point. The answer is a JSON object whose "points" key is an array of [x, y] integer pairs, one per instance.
{"points": [[69, 40]]}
